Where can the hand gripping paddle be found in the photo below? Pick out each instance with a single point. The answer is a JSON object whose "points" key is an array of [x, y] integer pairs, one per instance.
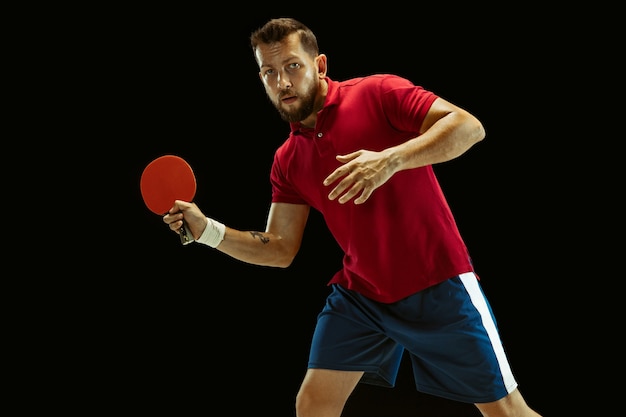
{"points": [[165, 179]]}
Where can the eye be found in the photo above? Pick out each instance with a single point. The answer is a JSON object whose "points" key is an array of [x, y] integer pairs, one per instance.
{"points": [[293, 66], [269, 72]]}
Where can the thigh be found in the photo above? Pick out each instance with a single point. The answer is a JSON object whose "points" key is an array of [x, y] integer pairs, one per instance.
{"points": [[456, 351], [329, 383], [325, 391], [348, 337]]}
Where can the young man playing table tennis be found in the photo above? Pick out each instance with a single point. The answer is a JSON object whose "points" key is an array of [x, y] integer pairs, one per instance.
{"points": [[361, 152]]}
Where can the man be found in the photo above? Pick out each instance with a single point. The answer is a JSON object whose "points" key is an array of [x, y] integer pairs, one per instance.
{"points": [[361, 152]]}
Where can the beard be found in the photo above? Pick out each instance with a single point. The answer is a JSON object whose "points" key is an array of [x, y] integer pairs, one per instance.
{"points": [[307, 105]]}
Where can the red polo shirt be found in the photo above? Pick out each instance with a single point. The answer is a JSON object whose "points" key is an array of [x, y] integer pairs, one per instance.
{"points": [[403, 238]]}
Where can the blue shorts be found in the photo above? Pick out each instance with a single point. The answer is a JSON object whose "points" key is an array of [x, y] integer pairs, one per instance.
{"points": [[448, 331]]}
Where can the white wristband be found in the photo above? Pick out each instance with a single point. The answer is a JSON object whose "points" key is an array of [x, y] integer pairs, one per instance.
{"points": [[213, 233]]}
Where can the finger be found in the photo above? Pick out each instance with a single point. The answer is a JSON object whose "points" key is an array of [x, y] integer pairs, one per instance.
{"points": [[335, 175], [173, 221], [350, 194], [178, 206], [340, 188], [342, 170], [364, 196], [174, 225], [348, 157]]}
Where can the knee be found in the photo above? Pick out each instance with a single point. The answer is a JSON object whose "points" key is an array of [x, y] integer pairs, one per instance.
{"points": [[304, 402]]}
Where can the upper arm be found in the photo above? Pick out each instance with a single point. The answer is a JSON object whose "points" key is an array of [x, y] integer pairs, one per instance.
{"points": [[441, 108]]}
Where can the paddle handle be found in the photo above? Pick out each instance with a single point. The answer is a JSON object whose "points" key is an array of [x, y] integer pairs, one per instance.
{"points": [[185, 235]]}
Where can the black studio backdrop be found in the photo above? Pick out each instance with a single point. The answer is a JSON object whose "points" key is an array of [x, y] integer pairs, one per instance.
{"points": [[187, 326]]}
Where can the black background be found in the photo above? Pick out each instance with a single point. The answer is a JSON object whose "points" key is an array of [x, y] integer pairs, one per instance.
{"points": [[169, 328]]}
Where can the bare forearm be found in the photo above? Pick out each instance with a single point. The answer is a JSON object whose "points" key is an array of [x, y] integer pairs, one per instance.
{"points": [[448, 138], [259, 248]]}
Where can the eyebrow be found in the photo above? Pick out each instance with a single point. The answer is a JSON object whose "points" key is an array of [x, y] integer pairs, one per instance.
{"points": [[285, 61]]}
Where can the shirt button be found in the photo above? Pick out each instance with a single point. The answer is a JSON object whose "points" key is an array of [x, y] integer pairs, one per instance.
{"points": [[320, 134]]}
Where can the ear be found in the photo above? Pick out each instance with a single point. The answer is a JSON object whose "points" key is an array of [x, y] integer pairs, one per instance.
{"points": [[322, 65]]}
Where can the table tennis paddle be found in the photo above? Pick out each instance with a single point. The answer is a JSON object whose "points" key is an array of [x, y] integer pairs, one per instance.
{"points": [[165, 179]]}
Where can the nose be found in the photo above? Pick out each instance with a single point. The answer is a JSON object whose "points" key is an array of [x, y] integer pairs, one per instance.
{"points": [[283, 82]]}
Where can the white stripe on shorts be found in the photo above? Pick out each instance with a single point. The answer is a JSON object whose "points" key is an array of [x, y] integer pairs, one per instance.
{"points": [[470, 281]]}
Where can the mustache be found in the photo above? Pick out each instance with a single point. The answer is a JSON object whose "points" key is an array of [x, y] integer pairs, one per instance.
{"points": [[286, 93]]}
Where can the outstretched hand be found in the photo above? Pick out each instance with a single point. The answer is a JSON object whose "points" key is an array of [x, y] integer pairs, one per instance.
{"points": [[362, 172]]}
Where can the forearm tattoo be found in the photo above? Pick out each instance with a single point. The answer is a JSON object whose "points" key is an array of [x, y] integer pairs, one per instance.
{"points": [[262, 238]]}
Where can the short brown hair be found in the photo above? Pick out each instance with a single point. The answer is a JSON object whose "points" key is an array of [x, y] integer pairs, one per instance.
{"points": [[275, 30]]}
